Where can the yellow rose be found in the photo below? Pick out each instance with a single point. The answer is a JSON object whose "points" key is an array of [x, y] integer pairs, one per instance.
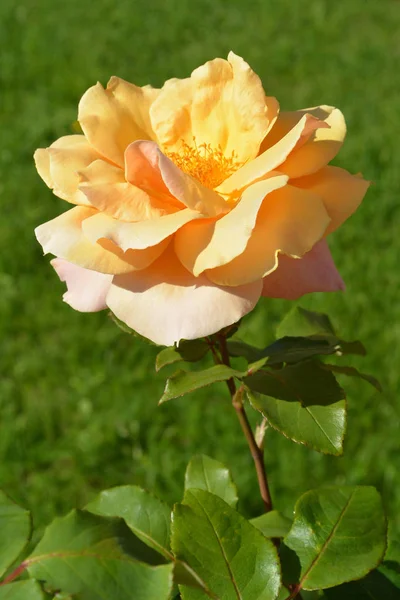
{"points": [[195, 199]]}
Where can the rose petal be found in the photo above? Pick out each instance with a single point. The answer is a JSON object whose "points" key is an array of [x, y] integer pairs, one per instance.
{"points": [[320, 148], [63, 237], [222, 104], [341, 192], [114, 117], [290, 221], [86, 290], [137, 236], [58, 166], [180, 185], [105, 187], [42, 163], [165, 303], [314, 272], [271, 159], [209, 243]]}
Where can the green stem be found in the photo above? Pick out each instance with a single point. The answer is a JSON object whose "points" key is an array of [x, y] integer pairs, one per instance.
{"points": [[256, 452]]}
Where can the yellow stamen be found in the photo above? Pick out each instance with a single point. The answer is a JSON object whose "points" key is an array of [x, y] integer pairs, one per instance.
{"points": [[206, 164]]}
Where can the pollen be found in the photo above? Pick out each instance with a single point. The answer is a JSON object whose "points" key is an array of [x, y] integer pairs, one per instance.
{"points": [[208, 165]]}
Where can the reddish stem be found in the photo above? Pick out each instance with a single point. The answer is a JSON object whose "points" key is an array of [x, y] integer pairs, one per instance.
{"points": [[256, 452], [16, 573]]}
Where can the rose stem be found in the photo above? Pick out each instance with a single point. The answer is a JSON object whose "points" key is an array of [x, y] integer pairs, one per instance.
{"points": [[256, 452]]}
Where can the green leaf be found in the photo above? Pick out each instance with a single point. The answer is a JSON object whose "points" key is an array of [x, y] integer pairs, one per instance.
{"points": [[145, 515], [15, 530], [183, 382], [375, 586], [307, 382], [188, 350], [272, 524], [22, 590], [239, 348], [296, 349], [339, 534], [232, 557], [353, 372], [302, 322], [205, 473], [315, 325], [285, 350], [91, 556], [319, 427], [148, 518], [303, 402]]}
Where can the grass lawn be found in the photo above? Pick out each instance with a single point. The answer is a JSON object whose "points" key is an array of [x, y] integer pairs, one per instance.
{"points": [[78, 398]]}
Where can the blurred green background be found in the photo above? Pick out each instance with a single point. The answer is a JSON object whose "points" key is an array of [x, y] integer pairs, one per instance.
{"points": [[78, 398]]}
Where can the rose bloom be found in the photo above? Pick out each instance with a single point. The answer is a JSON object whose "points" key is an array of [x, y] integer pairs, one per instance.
{"points": [[193, 200]]}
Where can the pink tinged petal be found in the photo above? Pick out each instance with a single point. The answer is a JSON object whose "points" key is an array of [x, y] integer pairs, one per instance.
{"points": [[63, 237], [142, 168], [271, 159], [137, 236], [86, 290], [165, 303], [190, 192], [105, 187], [314, 272], [320, 148], [168, 177], [290, 221], [59, 164], [114, 117], [208, 244], [340, 191]]}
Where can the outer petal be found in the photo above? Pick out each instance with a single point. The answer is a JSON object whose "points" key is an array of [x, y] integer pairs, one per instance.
{"points": [[114, 117], [290, 221], [137, 236], [182, 187], [207, 244], [165, 303], [105, 187], [63, 237], [222, 104], [341, 192], [86, 290], [271, 159], [59, 164], [321, 147], [314, 272]]}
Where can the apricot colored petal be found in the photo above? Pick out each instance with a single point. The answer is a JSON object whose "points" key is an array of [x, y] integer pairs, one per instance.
{"points": [[59, 164], [42, 163], [165, 303], [341, 192], [105, 187], [63, 237], [222, 104], [212, 243], [320, 148], [271, 159], [137, 236], [86, 290], [114, 117], [290, 221], [294, 277]]}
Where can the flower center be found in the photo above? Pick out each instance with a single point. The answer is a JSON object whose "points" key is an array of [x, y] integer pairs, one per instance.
{"points": [[206, 164]]}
